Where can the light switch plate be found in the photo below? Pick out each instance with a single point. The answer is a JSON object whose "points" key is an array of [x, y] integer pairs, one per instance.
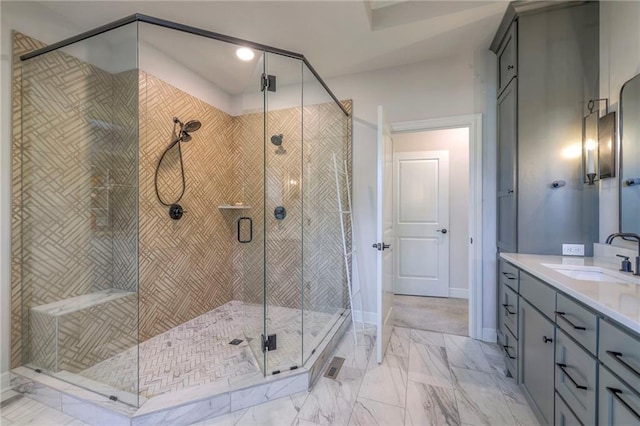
{"points": [[573, 249]]}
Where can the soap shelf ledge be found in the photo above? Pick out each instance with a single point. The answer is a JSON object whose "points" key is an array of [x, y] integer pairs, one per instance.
{"points": [[230, 207]]}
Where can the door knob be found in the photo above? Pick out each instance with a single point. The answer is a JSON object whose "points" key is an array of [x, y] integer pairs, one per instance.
{"points": [[385, 246], [443, 230]]}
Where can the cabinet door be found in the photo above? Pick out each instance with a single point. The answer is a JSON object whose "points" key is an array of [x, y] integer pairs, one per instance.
{"points": [[536, 360], [508, 58], [507, 150]]}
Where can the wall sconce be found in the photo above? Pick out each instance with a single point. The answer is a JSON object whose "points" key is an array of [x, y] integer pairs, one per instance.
{"points": [[598, 143]]}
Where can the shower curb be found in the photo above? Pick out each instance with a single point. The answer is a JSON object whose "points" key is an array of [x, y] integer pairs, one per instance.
{"points": [[182, 407]]}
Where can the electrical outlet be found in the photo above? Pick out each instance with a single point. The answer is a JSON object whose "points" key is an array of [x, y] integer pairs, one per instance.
{"points": [[573, 249]]}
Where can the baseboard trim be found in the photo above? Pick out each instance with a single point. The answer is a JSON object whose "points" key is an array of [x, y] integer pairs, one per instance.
{"points": [[489, 335], [5, 381], [366, 317], [459, 293]]}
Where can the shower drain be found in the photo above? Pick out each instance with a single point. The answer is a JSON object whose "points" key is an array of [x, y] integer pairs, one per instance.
{"points": [[334, 367]]}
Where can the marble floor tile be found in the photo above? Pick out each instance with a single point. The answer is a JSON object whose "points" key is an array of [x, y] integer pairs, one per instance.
{"points": [[386, 382], [480, 400], [367, 412], [475, 381], [497, 364], [429, 365], [510, 389], [331, 401], [430, 405], [523, 415], [302, 422], [355, 356], [464, 352], [446, 315], [425, 337], [490, 348], [399, 342]]}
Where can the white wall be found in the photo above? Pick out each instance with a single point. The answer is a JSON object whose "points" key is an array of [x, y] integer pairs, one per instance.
{"points": [[443, 88], [619, 61], [456, 142]]}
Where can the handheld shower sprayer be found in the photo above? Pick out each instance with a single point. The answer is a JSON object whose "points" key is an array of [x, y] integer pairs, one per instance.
{"points": [[175, 210]]}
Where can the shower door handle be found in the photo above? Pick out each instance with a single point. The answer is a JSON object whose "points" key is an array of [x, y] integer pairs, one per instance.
{"points": [[240, 240]]}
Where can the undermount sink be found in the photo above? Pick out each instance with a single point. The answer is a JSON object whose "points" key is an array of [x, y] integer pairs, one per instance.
{"points": [[591, 273]]}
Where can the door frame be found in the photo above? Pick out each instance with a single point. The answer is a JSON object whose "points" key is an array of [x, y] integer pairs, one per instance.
{"points": [[474, 123]]}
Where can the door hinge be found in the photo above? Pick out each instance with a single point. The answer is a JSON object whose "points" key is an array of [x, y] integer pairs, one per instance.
{"points": [[268, 82], [269, 343]]}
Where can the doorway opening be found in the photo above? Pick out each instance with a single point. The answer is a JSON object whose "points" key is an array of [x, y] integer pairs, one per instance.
{"points": [[437, 222]]}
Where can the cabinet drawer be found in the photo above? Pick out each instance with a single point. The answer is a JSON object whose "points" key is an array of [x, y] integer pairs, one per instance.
{"points": [[538, 294], [620, 351], [510, 349], [618, 405], [577, 321], [564, 416], [575, 378], [509, 306], [509, 275]]}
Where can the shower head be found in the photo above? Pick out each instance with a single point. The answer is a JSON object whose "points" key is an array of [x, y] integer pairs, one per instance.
{"points": [[191, 126], [185, 129]]}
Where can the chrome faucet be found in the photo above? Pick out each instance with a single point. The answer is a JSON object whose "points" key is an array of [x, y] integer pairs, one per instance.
{"points": [[628, 236]]}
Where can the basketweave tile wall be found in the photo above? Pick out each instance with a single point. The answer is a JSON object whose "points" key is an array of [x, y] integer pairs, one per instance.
{"points": [[191, 266]]}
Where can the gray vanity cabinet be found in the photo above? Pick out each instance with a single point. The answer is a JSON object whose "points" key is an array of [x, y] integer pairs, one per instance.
{"points": [[537, 334]]}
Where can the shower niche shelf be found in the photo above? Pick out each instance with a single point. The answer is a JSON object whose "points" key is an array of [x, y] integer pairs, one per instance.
{"points": [[230, 207]]}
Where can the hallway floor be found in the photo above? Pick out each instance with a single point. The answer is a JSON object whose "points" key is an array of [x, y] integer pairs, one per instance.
{"points": [[426, 378], [444, 315]]}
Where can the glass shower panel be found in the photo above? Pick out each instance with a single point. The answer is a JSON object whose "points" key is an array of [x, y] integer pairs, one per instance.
{"points": [[78, 205], [283, 210], [325, 131], [249, 267]]}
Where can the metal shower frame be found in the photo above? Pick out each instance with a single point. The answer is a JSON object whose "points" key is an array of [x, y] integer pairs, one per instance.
{"points": [[187, 29]]}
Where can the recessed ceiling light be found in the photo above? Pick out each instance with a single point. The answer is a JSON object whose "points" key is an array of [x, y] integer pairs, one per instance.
{"points": [[245, 53]]}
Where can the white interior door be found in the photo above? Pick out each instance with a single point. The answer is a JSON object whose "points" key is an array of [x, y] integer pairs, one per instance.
{"points": [[421, 215], [384, 236]]}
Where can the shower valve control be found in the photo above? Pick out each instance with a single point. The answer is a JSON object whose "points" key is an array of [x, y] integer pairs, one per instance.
{"points": [[176, 211], [280, 213]]}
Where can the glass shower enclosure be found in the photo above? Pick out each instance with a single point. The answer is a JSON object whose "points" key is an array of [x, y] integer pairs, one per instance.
{"points": [[154, 255]]}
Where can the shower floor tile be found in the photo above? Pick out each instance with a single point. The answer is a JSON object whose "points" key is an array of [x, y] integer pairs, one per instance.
{"points": [[198, 352]]}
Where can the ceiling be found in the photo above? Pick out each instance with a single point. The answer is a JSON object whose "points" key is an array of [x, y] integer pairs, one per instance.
{"points": [[337, 37]]}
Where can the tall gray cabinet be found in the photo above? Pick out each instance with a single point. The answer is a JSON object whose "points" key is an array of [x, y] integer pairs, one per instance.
{"points": [[548, 70]]}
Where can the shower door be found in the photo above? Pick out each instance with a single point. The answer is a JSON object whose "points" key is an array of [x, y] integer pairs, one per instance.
{"points": [[283, 212]]}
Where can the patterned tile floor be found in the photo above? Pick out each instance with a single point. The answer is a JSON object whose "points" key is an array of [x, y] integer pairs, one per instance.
{"points": [[427, 378], [198, 351]]}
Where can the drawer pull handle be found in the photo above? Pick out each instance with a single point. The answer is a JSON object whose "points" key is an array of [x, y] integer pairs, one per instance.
{"points": [[506, 350], [506, 308], [616, 394], [562, 367], [618, 357], [575, 327], [509, 275]]}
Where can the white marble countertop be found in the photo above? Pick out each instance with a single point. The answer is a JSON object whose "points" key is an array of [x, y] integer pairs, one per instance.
{"points": [[619, 301]]}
